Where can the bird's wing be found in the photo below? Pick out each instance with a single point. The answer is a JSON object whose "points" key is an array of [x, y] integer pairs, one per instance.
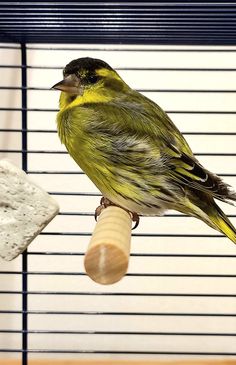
{"points": [[187, 170], [141, 119], [183, 166]]}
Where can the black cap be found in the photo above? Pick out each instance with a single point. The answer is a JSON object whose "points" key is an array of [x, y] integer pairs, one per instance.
{"points": [[85, 64]]}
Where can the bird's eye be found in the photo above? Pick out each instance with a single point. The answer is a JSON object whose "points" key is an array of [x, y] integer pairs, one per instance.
{"points": [[92, 79]]}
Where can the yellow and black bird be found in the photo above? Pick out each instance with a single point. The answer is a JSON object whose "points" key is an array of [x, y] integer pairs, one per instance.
{"points": [[132, 151]]}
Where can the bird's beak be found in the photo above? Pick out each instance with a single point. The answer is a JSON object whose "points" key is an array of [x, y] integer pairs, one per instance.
{"points": [[70, 84]]}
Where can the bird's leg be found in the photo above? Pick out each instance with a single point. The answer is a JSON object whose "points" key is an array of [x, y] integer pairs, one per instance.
{"points": [[104, 203]]}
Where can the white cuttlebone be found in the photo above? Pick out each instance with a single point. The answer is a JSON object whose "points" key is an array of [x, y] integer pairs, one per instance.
{"points": [[25, 210]]}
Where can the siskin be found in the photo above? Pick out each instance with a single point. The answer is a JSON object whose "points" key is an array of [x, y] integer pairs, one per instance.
{"points": [[132, 151]]}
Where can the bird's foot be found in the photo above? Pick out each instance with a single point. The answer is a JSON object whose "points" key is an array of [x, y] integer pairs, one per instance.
{"points": [[104, 203]]}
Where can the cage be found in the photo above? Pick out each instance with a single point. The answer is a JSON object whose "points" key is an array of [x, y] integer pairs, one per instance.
{"points": [[177, 301]]}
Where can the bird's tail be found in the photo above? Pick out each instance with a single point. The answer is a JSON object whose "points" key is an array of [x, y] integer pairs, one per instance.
{"points": [[222, 223], [212, 215], [206, 209]]}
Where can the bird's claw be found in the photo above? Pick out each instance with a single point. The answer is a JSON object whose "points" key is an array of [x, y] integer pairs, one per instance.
{"points": [[104, 203], [98, 211], [136, 219]]}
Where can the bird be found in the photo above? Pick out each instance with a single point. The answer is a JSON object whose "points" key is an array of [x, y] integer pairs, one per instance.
{"points": [[132, 151]]}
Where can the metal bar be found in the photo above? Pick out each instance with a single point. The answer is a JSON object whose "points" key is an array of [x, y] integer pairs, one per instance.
{"points": [[15, 130], [117, 49], [51, 152], [132, 333], [61, 273], [137, 352], [180, 69], [103, 313], [182, 255], [172, 255], [179, 91], [25, 168], [85, 234], [79, 273], [120, 294], [220, 112]]}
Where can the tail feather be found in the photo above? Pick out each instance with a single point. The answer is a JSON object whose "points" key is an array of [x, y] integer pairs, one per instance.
{"points": [[205, 208], [231, 196], [222, 223]]}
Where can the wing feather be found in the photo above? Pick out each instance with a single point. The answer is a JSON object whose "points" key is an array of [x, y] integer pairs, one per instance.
{"points": [[137, 118]]}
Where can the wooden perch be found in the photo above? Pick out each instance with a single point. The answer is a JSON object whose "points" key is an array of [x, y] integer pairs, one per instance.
{"points": [[107, 257]]}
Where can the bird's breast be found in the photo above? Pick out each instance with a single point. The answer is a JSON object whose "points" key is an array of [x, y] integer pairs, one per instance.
{"points": [[82, 143]]}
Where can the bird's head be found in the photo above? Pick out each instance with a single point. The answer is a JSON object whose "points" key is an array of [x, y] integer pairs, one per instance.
{"points": [[88, 75]]}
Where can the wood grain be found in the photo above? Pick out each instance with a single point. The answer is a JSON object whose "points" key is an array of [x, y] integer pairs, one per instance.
{"points": [[107, 257]]}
